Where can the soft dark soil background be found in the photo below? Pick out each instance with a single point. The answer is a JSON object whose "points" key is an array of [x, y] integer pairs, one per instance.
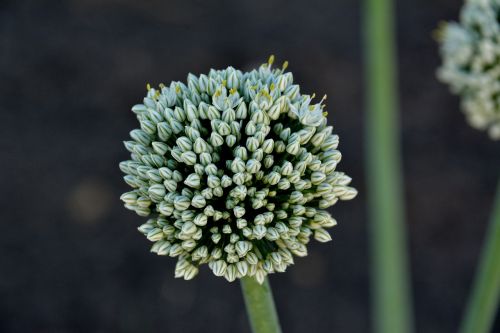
{"points": [[71, 259]]}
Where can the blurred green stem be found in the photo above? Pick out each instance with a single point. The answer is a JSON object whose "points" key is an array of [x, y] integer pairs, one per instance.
{"points": [[260, 306], [483, 302], [391, 304]]}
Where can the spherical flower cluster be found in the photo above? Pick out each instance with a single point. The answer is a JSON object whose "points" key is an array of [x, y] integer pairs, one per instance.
{"points": [[234, 170], [471, 62]]}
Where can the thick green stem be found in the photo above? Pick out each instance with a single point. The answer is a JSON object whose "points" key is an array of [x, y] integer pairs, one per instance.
{"points": [[483, 302], [390, 278], [260, 306]]}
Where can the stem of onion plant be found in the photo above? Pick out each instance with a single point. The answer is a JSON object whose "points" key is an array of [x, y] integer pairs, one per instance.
{"points": [[260, 306], [484, 299], [391, 304]]}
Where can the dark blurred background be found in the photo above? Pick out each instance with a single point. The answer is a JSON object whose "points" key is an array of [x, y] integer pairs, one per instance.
{"points": [[71, 259]]}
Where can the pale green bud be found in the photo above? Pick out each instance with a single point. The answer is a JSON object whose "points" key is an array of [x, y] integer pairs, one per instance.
{"points": [[139, 108], [224, 129], [285, 134], [184, 144], [143, 202], [157, 192], [274, 112], [242, 267], [272, 234], [279, 147], [154, 175], [211, 169], [209, 210], [200, 146], [268, 161], [190, 272], [164, 131], [189, 228], [253, 166], [170, 185], [241, 111], [166, 173], [216, 140], [241, 223], [181, 202], [238, 211], [179, 114], [141, 137], [350, 193], [200, 253], [198, 201], [200, 220], [250, 128], [219, 267], [237, 165], [321, 235], [165, 208], [175, 250], [160, 148], [230, 140], [213, 181], [293, 147], [193, 180], [217, 215], [155, 234], [259, 117], [230, 273], [258, 154], [317, 177], [129, 197], [226, 181], [228, 116], [188, 245], [176, 126], [163, 248], [188, 157], [148, 126], [259, 231], [273, 178], [239, 178], [260, 276], [146, 228], [267, 146]]}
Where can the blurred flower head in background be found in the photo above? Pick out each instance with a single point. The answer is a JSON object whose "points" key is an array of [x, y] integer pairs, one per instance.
{"points": [[234, 170], [470, 51]]}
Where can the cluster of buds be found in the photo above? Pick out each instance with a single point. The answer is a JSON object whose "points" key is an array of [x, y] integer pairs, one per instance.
{"points": [[471, 62], [234, 170]]}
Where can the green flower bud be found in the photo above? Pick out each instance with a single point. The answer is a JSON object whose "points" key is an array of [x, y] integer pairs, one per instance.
{"points": [[219, 267], [193, 180], [216, 140], [181, 202], [188, 157], [155, 235], [141, 137], [157, 192]]}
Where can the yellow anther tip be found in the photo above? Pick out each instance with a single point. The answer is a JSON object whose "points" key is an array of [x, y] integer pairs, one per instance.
{"points": [[270, 61]]}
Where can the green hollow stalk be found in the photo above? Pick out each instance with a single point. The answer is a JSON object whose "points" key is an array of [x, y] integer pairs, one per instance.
{"points": [[391, 305], [484, 299], [260, 306]]}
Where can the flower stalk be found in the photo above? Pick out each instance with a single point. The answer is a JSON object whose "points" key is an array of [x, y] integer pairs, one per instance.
{"points": [[484, 300], [260, 306], [390, 278]]}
